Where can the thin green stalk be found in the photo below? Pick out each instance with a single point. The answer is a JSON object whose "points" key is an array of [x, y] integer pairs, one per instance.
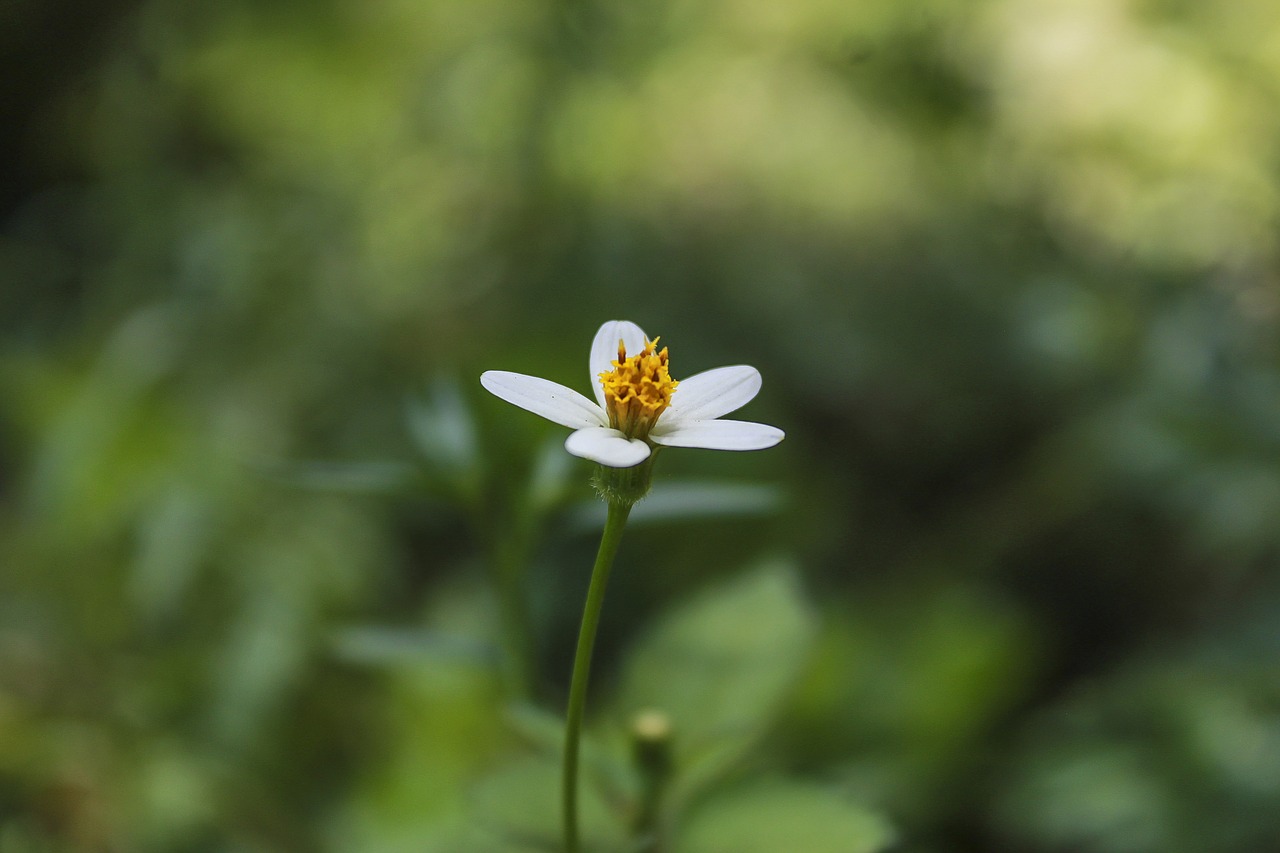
{"points": [[616, 521]]}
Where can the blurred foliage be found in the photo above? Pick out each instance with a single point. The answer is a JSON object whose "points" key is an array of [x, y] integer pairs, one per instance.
{"points": [[275, 576]]}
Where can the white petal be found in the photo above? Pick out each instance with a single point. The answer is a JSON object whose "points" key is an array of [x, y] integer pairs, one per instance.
{"points": [[607, 446], [713, 393], [604, 349], [543, 397], [717, 435]]}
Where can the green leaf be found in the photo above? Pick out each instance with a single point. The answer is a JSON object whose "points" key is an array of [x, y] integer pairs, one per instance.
{"points": [[549, 479], [443, 429], [541, 730], [602, 762], [720, 665], [770, 817], [519, 805]]}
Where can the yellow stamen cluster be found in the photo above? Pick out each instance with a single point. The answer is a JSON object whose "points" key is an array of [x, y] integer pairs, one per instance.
{"points": [[638, 389]]}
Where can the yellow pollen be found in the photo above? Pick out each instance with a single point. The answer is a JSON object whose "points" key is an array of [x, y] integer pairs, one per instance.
{"points": [[638, 389]]}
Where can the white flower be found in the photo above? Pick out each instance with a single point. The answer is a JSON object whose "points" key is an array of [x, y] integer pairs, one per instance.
{"points": [[638, 404]]}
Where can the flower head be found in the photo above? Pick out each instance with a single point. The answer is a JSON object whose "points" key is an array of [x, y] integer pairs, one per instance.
{"points": [[638, 405], [637, 390]]}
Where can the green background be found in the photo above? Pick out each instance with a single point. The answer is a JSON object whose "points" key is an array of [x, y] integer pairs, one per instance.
{"points": [[276, 574]]}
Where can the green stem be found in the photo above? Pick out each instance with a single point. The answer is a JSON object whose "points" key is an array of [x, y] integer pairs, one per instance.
{"points": [[616, 521]]}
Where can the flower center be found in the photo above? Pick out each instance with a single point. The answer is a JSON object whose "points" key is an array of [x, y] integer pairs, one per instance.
{"points": [[638, 389]]}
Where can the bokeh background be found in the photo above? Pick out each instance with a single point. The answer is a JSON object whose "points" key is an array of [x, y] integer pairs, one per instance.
{"points": [[276, 575]]}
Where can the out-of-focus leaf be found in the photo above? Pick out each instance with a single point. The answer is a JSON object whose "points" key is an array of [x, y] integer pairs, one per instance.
{"points": [[541, 729], [908, 687], [445, 721], [719, 665], [303, 557], [444, 432], [601, 759], [688, 501], [1179, 750], [172, 539], [1100, 797], [781, 816], [381, 646], [548, 482], [262, 659], [520, 804]]}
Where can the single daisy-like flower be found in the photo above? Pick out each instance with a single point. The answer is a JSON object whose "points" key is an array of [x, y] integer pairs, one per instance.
{"points": [[638, 404]]}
